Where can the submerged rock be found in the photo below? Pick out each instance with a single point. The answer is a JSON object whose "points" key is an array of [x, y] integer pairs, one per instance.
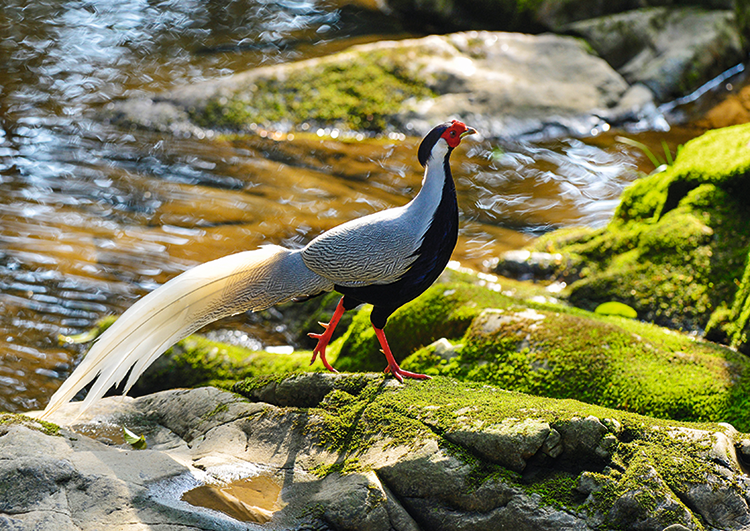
{"points": [[370, 454], [525, 265]]}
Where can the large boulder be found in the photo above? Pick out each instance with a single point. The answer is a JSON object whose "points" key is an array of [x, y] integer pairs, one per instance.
{"points": [[363, 452], [505, 84], [558, 14]]}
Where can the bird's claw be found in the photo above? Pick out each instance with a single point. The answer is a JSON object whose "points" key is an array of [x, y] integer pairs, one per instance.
{"points": [[320, 348], [400, 374]]}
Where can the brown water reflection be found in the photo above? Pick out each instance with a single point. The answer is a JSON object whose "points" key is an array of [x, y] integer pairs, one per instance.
{"points": [[93, 216]]}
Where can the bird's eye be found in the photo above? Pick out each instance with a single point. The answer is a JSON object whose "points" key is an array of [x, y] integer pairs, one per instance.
{"points": [[453, 133]]}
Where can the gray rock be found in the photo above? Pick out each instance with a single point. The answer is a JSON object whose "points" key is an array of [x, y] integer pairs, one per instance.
{"points": [[444, 349], [521, 513], [557, 14], [743, 451], [552, 446], [671, 50], [527, 265], [306, 389], [510, 443], [720, 504], [586, 439], [494, 321], [358, 501], [588, 483], [500, 83], [149, 114]]}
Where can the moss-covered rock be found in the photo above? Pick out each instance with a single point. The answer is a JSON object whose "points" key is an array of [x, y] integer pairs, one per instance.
{"points": [[7, 420], [557, 351], [489, 336], [611, 361], [676, 249], [607, 468]]}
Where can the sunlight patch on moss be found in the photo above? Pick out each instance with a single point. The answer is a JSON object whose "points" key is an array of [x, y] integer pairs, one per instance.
{"points": [[361, 93]]}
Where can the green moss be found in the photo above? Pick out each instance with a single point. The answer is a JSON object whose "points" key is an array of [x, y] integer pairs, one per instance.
{"points": [[481, 471], [557, 489], [360, 91], [196, 361], [349, 424], [642, 200], [249, 385], [732, 325], [8, 419], [718, 156], [659, 464], [348, 466], [220, 408], [678, 243]]}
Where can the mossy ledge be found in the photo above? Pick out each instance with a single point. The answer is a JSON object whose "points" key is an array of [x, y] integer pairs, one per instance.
{"points": [[556, 351]]}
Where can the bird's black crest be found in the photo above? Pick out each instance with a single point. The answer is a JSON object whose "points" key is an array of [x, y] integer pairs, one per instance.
{"points": [[429, 141]]}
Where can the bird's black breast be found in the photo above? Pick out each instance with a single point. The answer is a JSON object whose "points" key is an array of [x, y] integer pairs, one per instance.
{"points": [[432, 257]]}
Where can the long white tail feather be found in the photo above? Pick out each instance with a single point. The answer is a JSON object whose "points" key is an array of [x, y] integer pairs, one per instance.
{"points": [[252, 280]]}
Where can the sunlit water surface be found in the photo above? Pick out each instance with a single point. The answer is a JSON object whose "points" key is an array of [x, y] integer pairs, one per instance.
{"points": [[93, 216]]}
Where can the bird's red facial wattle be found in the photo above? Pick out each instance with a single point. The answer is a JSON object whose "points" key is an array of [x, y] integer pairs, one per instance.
{"points": [[456, 132]]}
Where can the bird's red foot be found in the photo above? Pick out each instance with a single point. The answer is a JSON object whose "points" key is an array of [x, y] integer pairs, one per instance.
{"points": [[325, 337], [320, 348], [400, 374], [393, 367]]}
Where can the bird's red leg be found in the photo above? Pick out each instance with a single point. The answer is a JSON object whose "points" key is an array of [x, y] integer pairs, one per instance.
{"points": [[393, 367], [325, 337]]}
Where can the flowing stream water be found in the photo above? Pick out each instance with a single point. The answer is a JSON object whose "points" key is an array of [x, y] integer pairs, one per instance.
{"points": [[93, 216]]}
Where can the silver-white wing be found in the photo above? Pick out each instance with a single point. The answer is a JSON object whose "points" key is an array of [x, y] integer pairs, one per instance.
{"points": [[375, 249]]}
